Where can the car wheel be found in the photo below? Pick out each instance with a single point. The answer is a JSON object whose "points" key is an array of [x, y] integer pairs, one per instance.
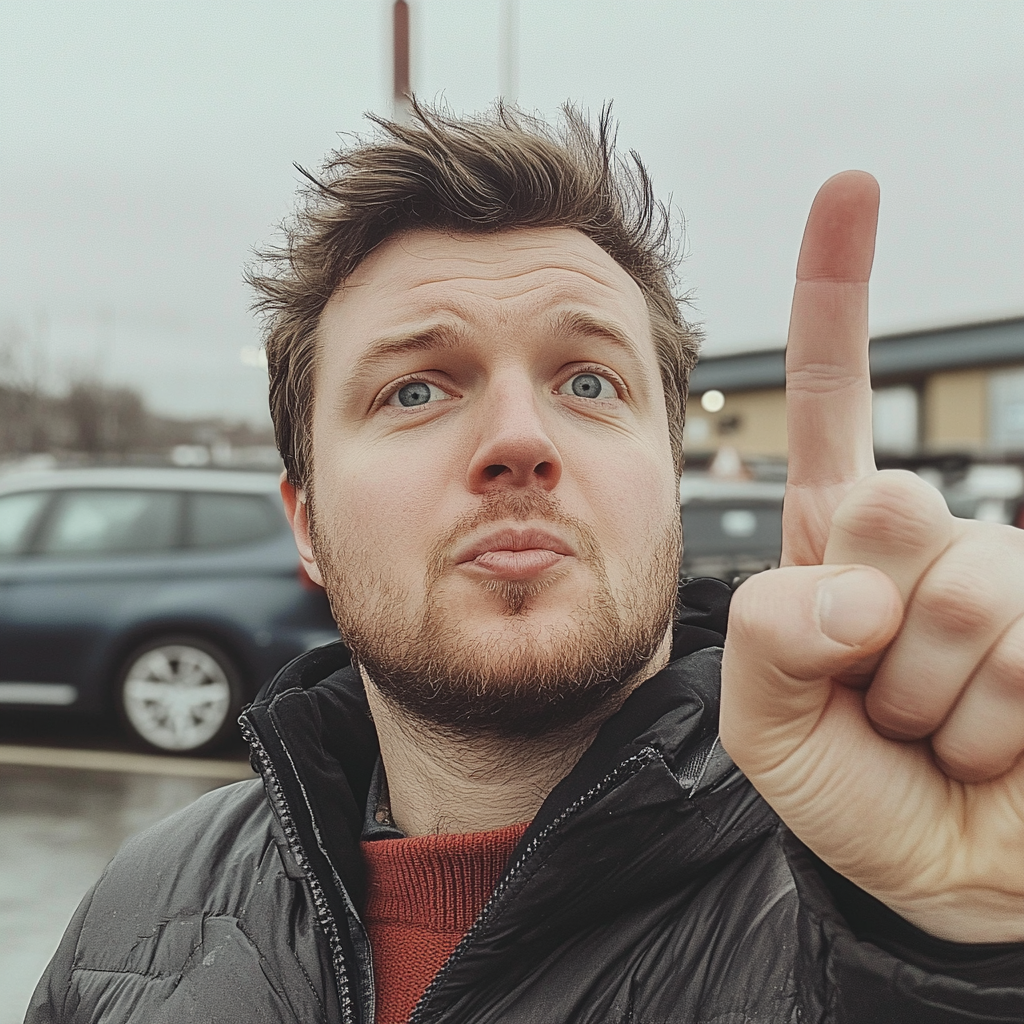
{"points": [[179, 694]]}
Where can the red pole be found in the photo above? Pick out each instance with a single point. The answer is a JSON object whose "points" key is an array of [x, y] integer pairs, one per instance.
{"points": [[401, 64]]}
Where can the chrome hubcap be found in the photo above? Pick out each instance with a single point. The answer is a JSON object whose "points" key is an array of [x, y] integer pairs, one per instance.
{"points": [[176, 697]]}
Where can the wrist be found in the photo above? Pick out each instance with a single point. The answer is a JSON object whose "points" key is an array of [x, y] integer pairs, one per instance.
{"points": [[966, 918]]}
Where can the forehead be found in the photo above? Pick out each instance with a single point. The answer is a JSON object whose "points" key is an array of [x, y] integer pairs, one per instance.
{"points": [[509, 275]]}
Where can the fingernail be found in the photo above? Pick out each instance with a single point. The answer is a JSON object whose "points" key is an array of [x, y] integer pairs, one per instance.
{"points": [[853, 607]]}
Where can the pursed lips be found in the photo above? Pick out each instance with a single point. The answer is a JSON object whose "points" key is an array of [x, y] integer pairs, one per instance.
{"points": [[513, 553]]}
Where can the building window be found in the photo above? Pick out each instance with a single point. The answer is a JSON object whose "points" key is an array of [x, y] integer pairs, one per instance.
{"points": [[894, 417], [1006, 410]]}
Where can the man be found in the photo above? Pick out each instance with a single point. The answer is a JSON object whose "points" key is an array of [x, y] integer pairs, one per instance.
{"points": [[516, 804]]}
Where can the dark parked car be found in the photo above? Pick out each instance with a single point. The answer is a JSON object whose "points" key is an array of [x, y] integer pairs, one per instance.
{"points": [[164, 596], [731, 529]]}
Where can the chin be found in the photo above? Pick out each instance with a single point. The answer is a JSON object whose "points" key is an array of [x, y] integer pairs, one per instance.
{"points": [[545, 596], [477, 654]]}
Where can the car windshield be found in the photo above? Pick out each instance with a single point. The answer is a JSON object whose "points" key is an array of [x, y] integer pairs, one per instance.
{"points": [[721, 527]]}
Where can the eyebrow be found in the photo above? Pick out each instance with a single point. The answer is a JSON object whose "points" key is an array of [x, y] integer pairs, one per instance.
{"points": [[576, 322], [435, 337]]}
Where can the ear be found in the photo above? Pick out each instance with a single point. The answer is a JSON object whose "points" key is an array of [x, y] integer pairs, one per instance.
{"points": [[296, 510]]}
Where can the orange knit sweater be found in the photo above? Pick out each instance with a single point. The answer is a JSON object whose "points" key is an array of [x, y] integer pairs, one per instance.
{"points": [[422, 896]]}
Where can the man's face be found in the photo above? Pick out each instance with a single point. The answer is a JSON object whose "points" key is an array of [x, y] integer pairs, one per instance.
{"points": [[494, 506]]}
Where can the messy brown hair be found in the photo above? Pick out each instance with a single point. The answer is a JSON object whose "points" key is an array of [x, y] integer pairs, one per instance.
{"points": [[495, 172]]}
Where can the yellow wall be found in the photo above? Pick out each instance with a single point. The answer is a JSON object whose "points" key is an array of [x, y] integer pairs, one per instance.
{"points": [[954, 417], [761, 426], [956, 411]]}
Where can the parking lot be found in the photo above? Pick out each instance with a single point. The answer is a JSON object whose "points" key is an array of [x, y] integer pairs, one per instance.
{"points": [[74, 787], [139, 610], [70, 794]]}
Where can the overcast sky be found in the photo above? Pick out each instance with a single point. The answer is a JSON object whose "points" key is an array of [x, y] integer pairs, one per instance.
{"points": [[147, 148]]}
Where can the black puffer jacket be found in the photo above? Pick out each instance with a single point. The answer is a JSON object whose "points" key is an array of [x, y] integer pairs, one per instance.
{"points": [[653, 886]]}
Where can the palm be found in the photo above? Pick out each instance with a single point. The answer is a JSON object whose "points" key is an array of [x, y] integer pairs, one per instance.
{"points": [[893, 746], [940, 836]]}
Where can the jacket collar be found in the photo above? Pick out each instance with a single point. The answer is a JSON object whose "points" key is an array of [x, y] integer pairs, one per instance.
{"points": [[314, 726]]}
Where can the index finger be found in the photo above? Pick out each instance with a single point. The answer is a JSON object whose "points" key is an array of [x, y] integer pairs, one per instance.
{"points": [[828, 382]]}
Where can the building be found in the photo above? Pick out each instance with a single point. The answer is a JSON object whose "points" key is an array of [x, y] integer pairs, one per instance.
{"points": [[947, 391]]}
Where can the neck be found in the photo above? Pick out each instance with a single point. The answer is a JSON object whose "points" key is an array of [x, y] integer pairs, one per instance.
{"points": [[445, 783]]}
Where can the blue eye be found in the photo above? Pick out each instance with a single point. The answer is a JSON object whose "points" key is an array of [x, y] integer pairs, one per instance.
{"points": [[588, 385], [417, 392]]}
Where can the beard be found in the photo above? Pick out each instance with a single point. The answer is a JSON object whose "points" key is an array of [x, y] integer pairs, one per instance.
{"points": [[519, 680]]}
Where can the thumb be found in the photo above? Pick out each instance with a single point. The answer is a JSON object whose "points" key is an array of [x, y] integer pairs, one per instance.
{"points": [[792, 633]]}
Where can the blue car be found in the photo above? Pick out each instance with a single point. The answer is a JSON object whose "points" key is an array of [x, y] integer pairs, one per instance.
{"points": [[164, 596]]}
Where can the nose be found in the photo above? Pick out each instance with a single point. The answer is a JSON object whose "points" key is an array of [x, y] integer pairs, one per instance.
{"points": [[515, 448]]}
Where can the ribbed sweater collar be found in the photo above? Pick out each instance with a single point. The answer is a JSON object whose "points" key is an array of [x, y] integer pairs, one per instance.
{"points": [[436, 882]]}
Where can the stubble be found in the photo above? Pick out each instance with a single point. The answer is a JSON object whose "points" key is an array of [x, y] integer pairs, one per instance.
{"points": [[518, 682]]}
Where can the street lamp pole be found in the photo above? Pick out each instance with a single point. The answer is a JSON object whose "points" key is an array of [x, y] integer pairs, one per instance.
{"points": [[400, 35], [508, 45]]}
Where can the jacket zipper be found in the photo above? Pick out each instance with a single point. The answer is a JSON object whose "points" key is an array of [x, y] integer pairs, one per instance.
{"points": [[627, 768], [320, 904]]}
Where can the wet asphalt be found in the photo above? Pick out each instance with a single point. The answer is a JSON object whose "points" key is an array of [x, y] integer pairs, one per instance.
{"points": [[59, 826]]}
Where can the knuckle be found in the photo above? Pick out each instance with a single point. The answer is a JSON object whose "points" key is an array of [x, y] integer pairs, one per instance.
{"points": [[1004, 667], [901, 718], [823, 379], [892, 508], [955, 601], [965, 758]]}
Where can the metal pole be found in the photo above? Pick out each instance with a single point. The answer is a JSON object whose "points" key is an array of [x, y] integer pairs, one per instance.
{"points": [[402, 89], [508, 63]]}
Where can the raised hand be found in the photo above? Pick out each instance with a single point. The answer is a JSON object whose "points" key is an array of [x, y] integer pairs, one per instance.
{"points": [[873, 687]]}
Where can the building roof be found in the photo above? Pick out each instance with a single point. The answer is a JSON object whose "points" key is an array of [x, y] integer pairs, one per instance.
{"points": [[894, 357]]}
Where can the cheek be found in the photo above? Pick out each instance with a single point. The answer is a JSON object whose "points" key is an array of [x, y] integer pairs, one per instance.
{"points": [[636, 499], [636, 482], [379, 506], [646, 504]]}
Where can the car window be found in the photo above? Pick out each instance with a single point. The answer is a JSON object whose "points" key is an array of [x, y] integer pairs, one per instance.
{"points": [[112, 522], [219, 520], [723, 528], [18, 515]]}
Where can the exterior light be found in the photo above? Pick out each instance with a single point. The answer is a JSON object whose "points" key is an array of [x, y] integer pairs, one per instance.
{"points": [[712, 401]]}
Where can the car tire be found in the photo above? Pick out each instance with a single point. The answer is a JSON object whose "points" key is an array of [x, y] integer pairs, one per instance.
{"points": [[178, 694]]}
